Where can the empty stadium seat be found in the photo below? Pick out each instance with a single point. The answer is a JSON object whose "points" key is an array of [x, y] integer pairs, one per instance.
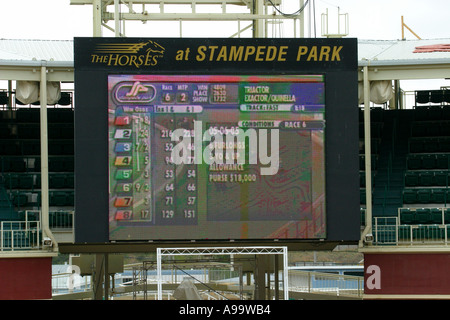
{"points": [[4, 97], [436, 216], [57, 181], [438, 196], [58, 199], [423, 196], [422, 96], [442, 161], [66, 99], [409, 196], [406, 216], [431, 145], [26, 181], [423, 216], [429, 161], [437, 96], [414, 161], [426, 178], [20, 199], [447, 216], [444, 144], [18, 164], [411, 179], [441, 178]]}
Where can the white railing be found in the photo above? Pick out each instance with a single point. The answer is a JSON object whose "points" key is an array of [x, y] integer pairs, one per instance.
{"points": [[61, 219], [388, 231], [300, 281], [20, 235], [326, 283], [26, 234]]}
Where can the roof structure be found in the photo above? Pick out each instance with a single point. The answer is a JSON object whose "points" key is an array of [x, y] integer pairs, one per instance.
{"points": [[32, 50], [402, 52], [19, 59], [405, 59], [386, 59]]}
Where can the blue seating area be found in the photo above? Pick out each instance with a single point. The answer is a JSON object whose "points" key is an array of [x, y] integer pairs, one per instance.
{"points": [[411, 162], [20, 162], [411, 169]]}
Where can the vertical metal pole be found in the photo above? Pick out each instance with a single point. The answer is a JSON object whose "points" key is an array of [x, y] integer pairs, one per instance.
{"points": [[116, 19], [302, 20], [258, 24], [98, 277], [158, 271], [367, 150], [241, 282], [261, 267], [44, 153], [97, 18], [106, 280], [403, 30], [10, 95], [276, 277], [285, 274]]}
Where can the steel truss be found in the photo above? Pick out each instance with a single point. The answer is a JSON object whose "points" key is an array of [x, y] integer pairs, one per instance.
{"points": [[258, 12], [160, 252]]}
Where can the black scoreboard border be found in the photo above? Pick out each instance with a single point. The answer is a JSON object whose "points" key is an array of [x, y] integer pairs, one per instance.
{"points": [[336, 59]]}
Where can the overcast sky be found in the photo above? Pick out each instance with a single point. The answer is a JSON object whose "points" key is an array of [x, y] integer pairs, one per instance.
{"points": [[368, 19]]}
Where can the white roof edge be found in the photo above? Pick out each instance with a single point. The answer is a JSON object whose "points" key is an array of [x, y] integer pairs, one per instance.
{"points": [[37, 63], [401, 62]]}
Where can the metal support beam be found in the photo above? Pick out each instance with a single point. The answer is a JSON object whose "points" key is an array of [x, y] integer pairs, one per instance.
{"points": [[260, 278], [116, 18], [258, 13], [107, 278], [97, 17], [46, 233], [258, 251], [367, 153], [258, 24], [98, 277]]}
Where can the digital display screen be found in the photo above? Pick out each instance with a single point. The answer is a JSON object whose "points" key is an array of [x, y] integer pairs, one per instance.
{"points": [[216, 157]]}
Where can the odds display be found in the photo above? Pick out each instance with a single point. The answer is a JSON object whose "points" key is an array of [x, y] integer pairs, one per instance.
{"points": [[216, 156]]}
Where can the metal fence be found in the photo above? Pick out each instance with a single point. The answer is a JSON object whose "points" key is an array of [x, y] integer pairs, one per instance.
{"points": [[326, 283], [136, 283], [388, 231], [26, 234], [20, 235]]}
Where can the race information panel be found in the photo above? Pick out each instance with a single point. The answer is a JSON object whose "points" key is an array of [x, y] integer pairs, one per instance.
{"points": [[216, 157]]}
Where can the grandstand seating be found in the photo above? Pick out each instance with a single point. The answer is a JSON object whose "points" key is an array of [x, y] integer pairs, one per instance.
{"points": [[20, 165], [410, 160], [420, 138]]}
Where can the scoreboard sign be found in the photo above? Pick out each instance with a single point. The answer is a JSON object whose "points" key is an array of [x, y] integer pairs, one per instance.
{"points": [[216, 139]]}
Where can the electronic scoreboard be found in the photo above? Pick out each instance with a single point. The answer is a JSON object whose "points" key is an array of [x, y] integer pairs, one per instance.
{"points": [[216, 139], [213, 192]]}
